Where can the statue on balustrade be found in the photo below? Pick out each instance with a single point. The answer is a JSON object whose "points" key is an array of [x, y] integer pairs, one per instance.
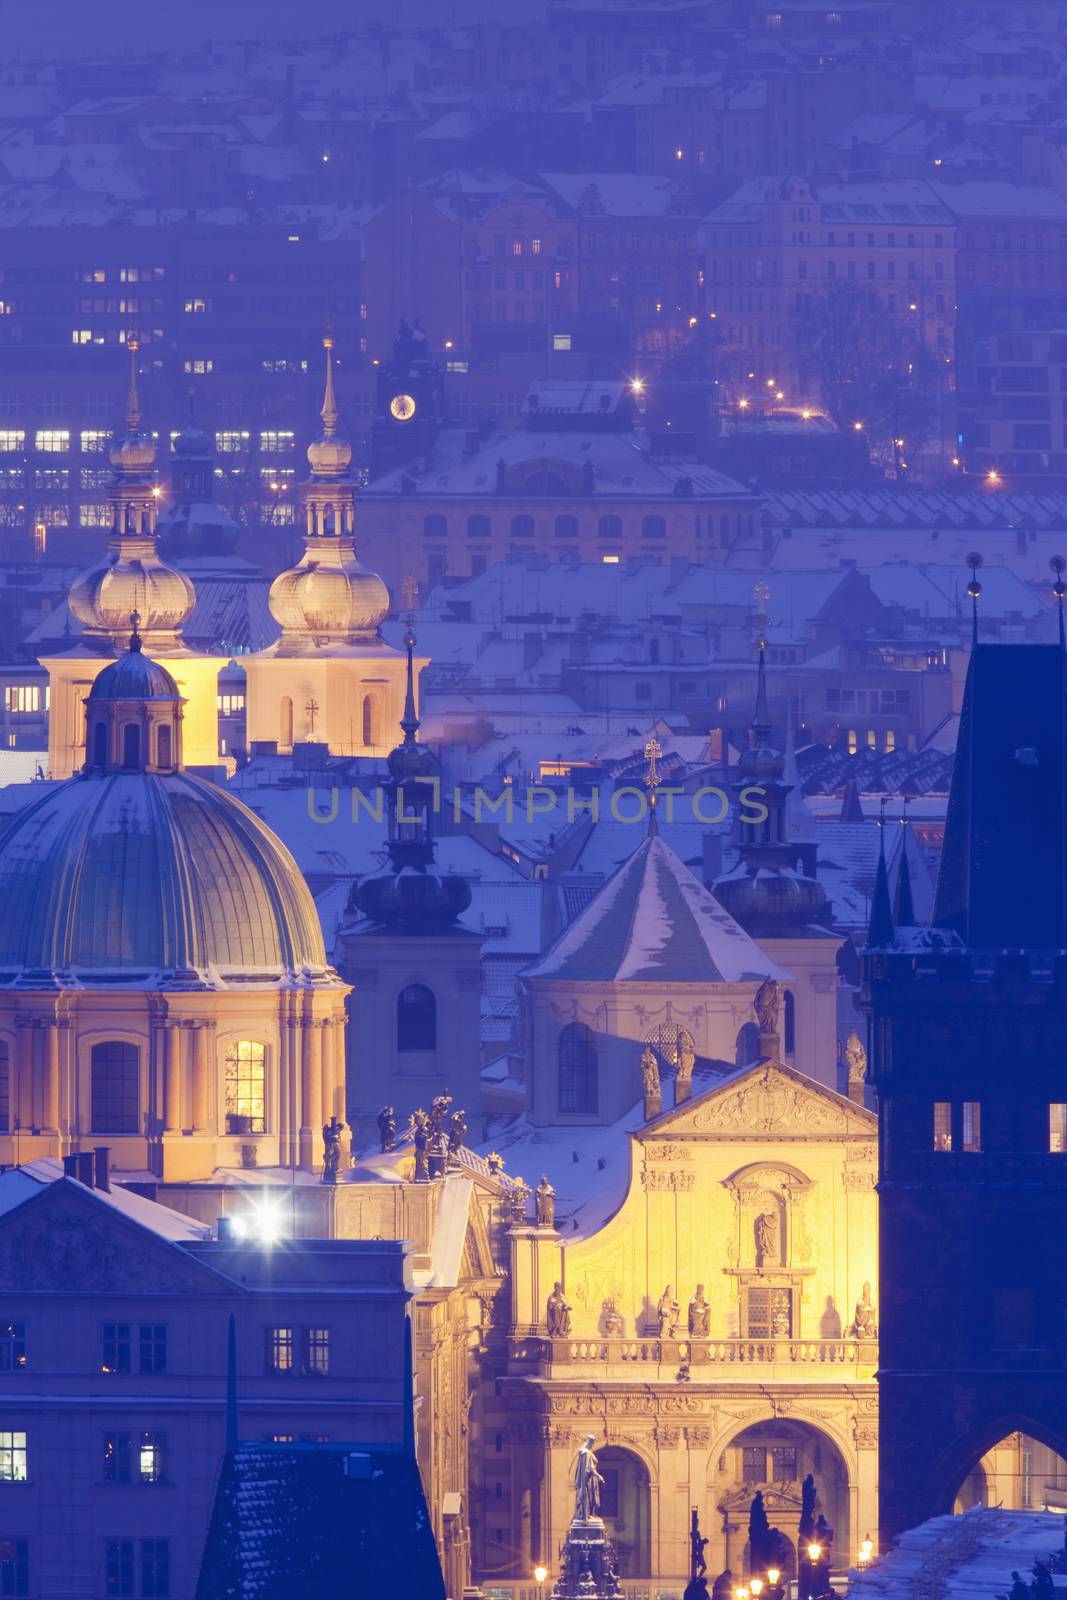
{"points": [[387, 1129], [558, 1313], [545, 1204], [699, 1313], [865, 1321], [331, 1141], [667, 1314]]}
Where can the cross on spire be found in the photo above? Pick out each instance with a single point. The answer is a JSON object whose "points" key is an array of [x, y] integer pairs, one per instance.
{"points": [[653, 778], [135, 637], [133, 399]]}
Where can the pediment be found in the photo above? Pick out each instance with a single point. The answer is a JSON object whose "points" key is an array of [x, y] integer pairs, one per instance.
{"points": [[62, 1241], [768, 1100]]}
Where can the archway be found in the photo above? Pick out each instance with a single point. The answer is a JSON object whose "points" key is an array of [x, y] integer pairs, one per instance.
{"points": [[773, 1458], [1019, 1473], [625, 1505]]}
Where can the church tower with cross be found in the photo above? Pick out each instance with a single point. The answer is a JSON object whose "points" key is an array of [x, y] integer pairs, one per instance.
{"points": [[331, 678], [133, 577]]}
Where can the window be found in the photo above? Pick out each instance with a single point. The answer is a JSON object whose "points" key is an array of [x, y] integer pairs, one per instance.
{"points": [[153, 1347], [278, 442], [286, 730], [435, 526], [12, 1458], [131, 747], [315, 1362], [5, 1086], [12, 439], [246, 1073], [280, 1350], [134, 1457], [653, 528], [115, 1347], [118, 1567], [231, 441], [367, 720], [972, 1125], [14, 1566], [416, 1018], [1057, 1129], [560, 341], [22, 697], [610, 527], [942, 1125], [115, 1096], [94, 441], [478, 526], [155, 1568], [12, 1346], [753, 1464], [784, 1463], [163, 745], [54, 441], [199, 366], [769, 1314], [522, 526], [789, 1031], [566, 527], [578, 1077]]}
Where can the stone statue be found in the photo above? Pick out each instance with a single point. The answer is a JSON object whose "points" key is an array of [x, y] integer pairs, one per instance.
{"points": [[387, 1129], [686, 1062], [331, 1140], [558, 1313], [766, 1006], [650, 1083], [698, 1565], [865, 1321], [856, 1056], [457, 1132], [437, 1152], [495, 1162], [699, 1312], [438, 1111], [545, 1202], [587, 1483], [612, 1319], [420, 1133], [520, 1193], [767, 1239], [667, 1314]]}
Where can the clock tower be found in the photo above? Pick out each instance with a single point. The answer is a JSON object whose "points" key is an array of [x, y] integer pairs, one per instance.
{"points": [[410, 408]]}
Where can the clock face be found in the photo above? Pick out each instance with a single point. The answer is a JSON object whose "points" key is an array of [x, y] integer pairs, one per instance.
{"points": [[402, 406]]}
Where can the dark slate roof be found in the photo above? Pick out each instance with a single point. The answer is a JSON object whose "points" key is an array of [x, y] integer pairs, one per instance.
{"points": [[315, 1522], [653, 921], [1003, 877]]}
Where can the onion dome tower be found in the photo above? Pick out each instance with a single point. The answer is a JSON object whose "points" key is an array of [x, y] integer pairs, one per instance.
{"points": [[422, 1012], [168, 945], [132, 578], [193, 525], [330, 678]]}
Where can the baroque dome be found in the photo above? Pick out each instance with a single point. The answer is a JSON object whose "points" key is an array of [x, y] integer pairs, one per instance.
{"points": [[329, 593], [134, 676], [142, 877]]}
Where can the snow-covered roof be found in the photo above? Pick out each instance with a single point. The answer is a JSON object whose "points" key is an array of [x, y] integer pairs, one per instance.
{"points": [[19, 1184], [653, 921]]}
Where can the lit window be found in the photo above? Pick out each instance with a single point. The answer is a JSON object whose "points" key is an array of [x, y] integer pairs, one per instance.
{"points": [[281, 1355], [231, 440], [12, 1458], [1057, 1129], [276, 514], [560, 341], [115, 1347], [12, 1349], [972, 1125], [753, 1464], [316, 1352], [516, 247], [853, 741], [81, 335], [275, 477], [94, 516], [153, 1347], [53, 441], [194, 307], [942, 1125], [151, 1458], [12, 439], [22, 697], [535, 247], [94, 441], [198, 366], [890, 741], [14, 1566], [230, 704], [52, 480], [277, 442], [246, 1072]]}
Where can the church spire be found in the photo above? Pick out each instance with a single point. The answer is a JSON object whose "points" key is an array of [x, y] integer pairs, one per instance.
{"points": [[880, 928], [329, 412], [904, 902], [1059, 589], [974, 589], [133, 399]]}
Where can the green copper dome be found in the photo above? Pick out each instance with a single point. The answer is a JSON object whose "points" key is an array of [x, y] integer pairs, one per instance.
{"points": [[119, 876]]}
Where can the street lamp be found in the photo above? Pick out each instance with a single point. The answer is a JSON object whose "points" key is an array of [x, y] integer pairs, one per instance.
{"points": [[741, 1592], [814, 1553], [540, 1574], [756, 1585], [866, 1551]]}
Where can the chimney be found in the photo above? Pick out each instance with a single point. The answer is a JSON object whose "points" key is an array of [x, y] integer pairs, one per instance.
{"points": [[224, 1230], [102, 1167], [85, 1168], [70, 1166]]}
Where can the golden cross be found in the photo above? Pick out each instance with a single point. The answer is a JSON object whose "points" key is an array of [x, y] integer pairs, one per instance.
{"points": [[653, 751]]}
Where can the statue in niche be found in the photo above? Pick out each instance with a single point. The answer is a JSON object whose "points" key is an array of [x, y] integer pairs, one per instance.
{"points": [[767, 1245], [558, 1313], [650, 1083], [699, 1313], [667, 1314], [865, 1321]]}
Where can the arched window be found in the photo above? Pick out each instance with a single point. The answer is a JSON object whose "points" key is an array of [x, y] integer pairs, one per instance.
{"points": [[789, 1023], [163, 745], [566, 527], [416, 1018], [610, 527], [100, 745], [578, 1081], [478, 526], [747, 1046], [131, 745], [435, 526], [285, 732], [5, 1086], [522, 526], [546, 483], [367, 720], [653, 528], [115, 1097], [246, 1080]]}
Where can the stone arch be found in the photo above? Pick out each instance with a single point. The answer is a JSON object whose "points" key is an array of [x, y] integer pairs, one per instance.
{"points": [[733, 1479], [626, 1506], [776, 1189], [747, 1045], [953, 1466]]}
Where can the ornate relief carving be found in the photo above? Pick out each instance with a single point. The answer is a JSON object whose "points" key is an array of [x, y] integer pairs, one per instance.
{"points": [[667, 1437], [667, 1180], [865, 1434], [699, 1438], [771, 1103], [857, 1180], [667, 1152]]}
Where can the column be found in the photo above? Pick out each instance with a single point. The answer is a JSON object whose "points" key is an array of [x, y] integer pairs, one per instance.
{"points": [[201, 1040], [172, 1078], [329, 1070], [22, 1098], [281, 1091], [311, 1091], [51, 1078]]}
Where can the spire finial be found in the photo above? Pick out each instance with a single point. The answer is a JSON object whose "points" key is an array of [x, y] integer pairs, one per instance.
{"points": [[880, 928], [135, 637], [329, 411], [974, 589], [1059, 589], [133, 399], [904, 907], [409, 721], [653, 779]]}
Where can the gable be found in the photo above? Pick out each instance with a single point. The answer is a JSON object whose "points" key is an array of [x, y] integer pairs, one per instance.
{"points": [[770, 1101], [65, 1241]]}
